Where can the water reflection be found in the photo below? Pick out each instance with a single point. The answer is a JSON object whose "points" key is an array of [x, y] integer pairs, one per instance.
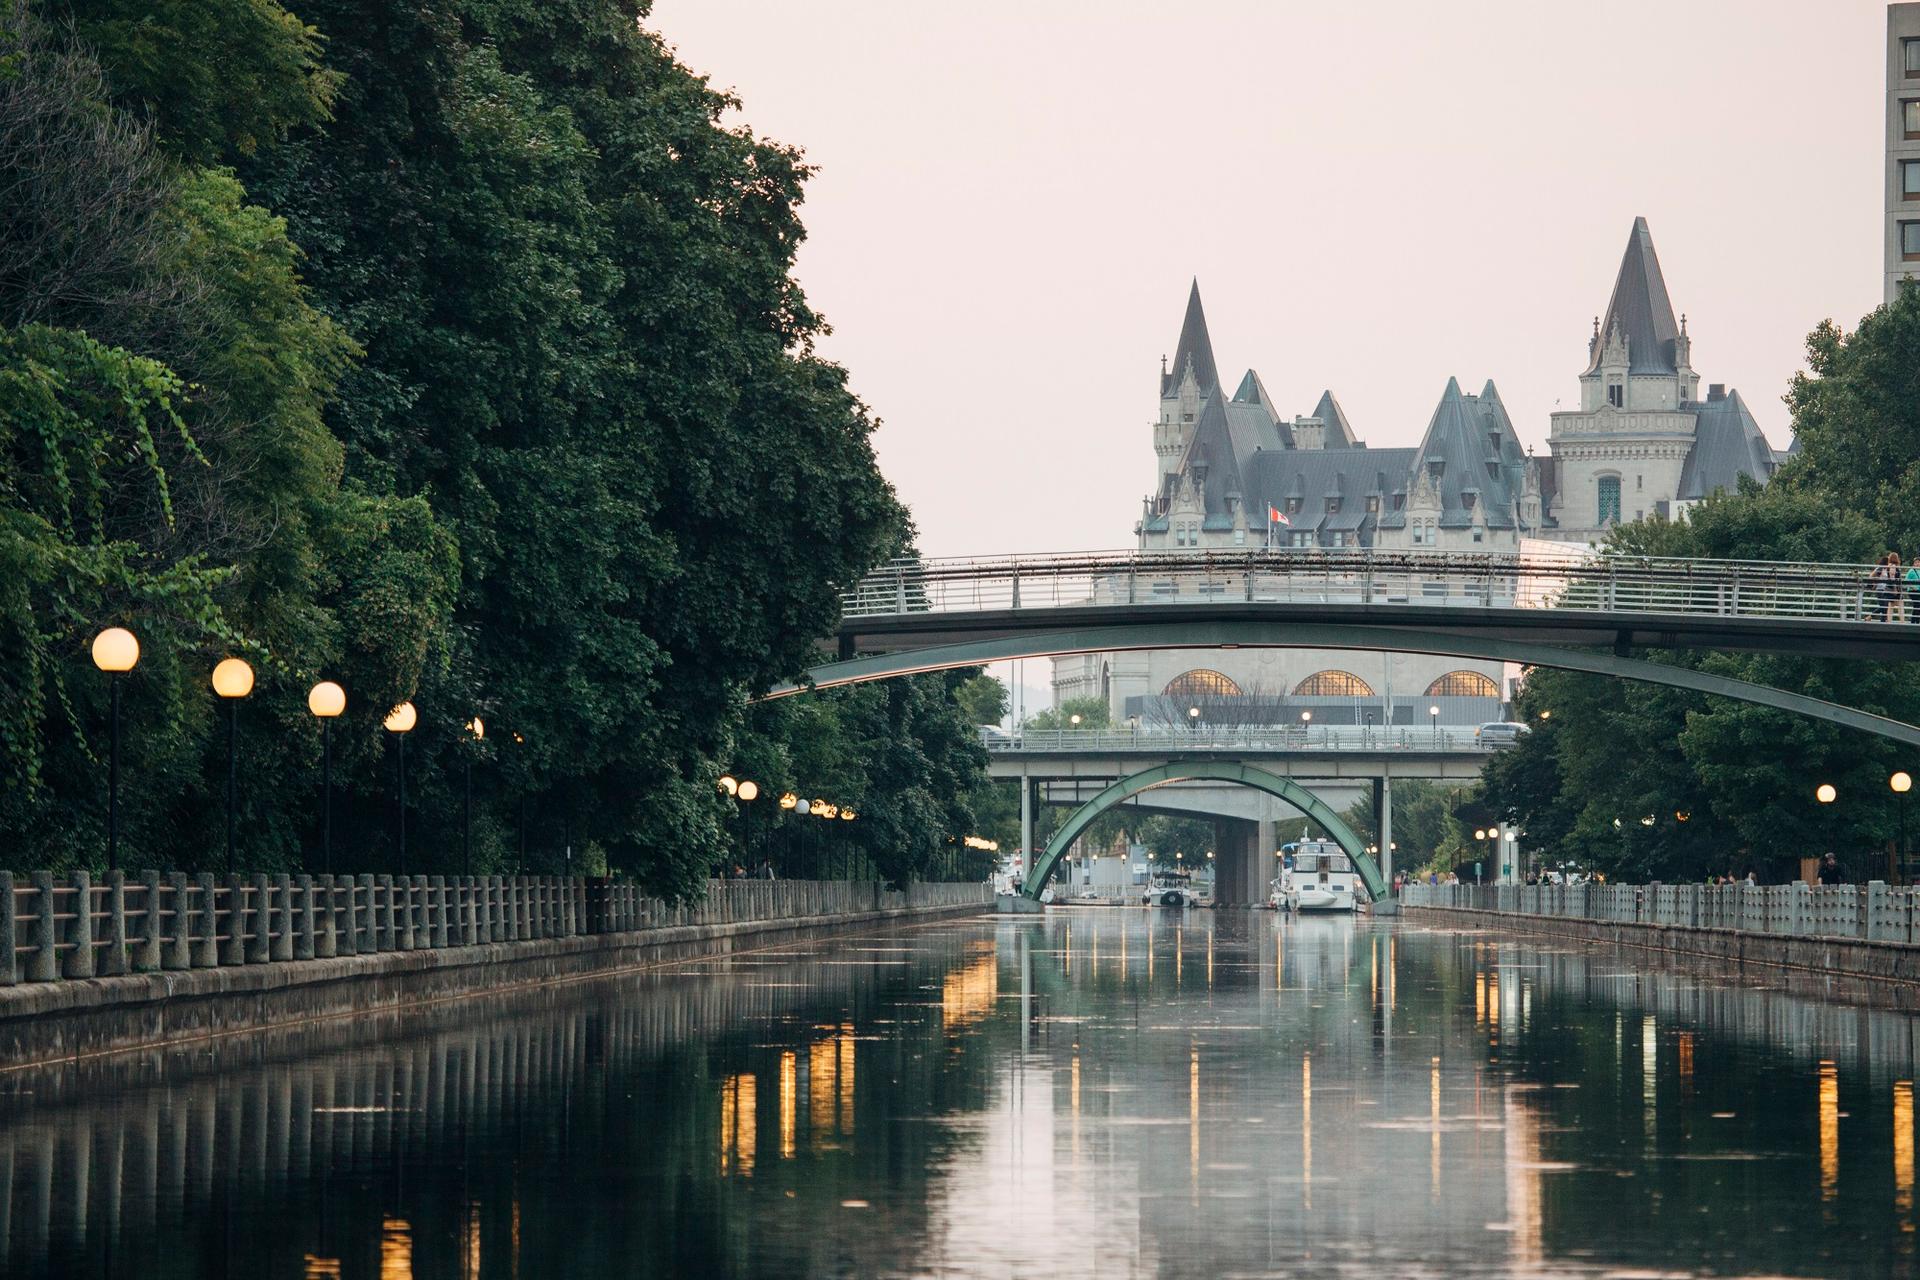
{"points": [[1105, 1092]]}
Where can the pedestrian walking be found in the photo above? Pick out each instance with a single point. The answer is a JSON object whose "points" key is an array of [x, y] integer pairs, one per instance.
{"points": [[1912, 593]]}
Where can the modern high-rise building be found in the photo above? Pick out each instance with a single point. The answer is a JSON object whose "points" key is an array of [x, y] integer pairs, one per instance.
{"points": [[1903, 145]]}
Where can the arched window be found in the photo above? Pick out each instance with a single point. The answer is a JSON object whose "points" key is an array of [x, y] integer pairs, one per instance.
{"points": [[1608, 500], [1202, 684], [1332, 684], [1463, 684]]}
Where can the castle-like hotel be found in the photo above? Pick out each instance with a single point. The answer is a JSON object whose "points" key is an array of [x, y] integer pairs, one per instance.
{"points": [[1643, 442], [1234, 473]]}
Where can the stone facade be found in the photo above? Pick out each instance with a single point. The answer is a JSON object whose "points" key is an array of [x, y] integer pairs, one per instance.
{"points": [[1902, 248]]}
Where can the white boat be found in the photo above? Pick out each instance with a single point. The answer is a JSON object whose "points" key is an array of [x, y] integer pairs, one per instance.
{"points": [[1318, 877], [1169, 889]]}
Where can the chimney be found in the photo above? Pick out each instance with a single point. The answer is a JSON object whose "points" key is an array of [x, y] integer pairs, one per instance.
{"points": [[1716, 391]]}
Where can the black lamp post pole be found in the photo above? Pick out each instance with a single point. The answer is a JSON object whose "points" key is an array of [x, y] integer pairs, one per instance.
{"points": [[326, 795], [113, 775], [466, 825], [233, 729], [403, 802]]}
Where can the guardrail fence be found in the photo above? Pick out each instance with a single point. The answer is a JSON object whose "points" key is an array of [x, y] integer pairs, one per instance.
{"points": [[83, 928], [1873, 912], [1609, 583]]}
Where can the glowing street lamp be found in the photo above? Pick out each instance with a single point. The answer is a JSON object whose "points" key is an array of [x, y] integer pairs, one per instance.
{"points": [[1902, 782], [478, 728], [326, 700], [232, 680], [1825, 793], [399, 723], [115, 652]]}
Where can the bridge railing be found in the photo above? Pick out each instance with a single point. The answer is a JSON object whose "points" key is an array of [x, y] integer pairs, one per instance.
{"points": [[1873, 912], [1597, 583], [83, 928], [1361, 738]]}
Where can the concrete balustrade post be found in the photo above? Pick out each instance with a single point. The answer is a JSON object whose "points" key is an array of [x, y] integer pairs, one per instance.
{"points": [[44, 964], [9, 932], [509, 909], [305, 929], [80, 930], [523, 907], [326, 929], [147, 958], [422, 914], [283, 920], [439, 892], [260, 918], [197, 915], [231, 923], [385, 900], [113, 960], [360, 917], [569, 909], [403, 918]]}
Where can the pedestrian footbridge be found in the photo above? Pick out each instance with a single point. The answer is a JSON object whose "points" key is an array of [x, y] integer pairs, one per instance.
{"points": [[1575, 612], [1318, 752]]}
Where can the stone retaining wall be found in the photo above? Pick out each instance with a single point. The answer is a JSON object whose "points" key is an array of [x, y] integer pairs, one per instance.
{"points": [[1845, 957], [77, 1017]]}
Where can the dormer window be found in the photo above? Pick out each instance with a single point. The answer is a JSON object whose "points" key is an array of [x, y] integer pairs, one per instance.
{"points": [[1616, 394], [1333, 505], [1373, 504], [1293, 506]]}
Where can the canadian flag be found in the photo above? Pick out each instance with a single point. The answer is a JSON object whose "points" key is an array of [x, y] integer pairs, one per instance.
{"points": [[1277, 516]]}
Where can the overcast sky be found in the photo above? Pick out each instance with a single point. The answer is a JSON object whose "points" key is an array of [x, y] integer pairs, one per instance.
{"points": [[1012, 199]]}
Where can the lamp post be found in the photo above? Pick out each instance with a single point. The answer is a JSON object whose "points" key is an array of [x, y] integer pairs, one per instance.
{"points": [[478, 728], [326, 700], [115, 652], [1902, 782], [1306, 724], [746, 793], [1193, 719], [399, 723], [1433, 718], [232, 680]]}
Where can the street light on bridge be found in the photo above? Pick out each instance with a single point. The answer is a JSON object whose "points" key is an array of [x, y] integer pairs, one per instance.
{"points": [[1902, 782], [1825, 793]]}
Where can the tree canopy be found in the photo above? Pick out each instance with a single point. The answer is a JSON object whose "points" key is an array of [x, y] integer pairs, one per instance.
{"points": [[453, 354]]}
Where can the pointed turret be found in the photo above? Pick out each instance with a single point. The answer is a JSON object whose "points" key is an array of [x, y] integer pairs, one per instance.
{"points": [[1339, 429], [1194, 351], [1639, 310]]}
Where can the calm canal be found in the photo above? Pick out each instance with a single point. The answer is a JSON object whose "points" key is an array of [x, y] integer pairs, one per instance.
{"points": [[1096, 1093]]}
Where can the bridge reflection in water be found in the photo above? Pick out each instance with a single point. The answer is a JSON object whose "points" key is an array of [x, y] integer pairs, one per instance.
{"points": [[1099, 1092]]}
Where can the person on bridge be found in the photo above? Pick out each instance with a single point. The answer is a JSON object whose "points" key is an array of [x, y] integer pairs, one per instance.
{"points": [[1913, 590], [1886, 585], [1831, 871]]}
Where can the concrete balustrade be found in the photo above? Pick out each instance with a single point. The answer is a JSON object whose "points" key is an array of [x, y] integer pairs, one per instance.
{"points": [[1873, 912], [52, 929]]}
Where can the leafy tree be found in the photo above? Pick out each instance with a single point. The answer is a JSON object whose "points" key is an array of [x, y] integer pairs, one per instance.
{"points": [[983, 699]]}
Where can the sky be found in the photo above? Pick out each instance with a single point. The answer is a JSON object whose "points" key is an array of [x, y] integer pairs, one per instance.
{"points": [[1012, 198]]}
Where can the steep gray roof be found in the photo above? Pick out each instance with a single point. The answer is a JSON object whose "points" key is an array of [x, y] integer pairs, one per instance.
{"points": [[1213, 448], [1194, 346], [1727, 444], [1641, 308], [1313, 474], [1472, 442], [1256, 422], [1339, 430]]}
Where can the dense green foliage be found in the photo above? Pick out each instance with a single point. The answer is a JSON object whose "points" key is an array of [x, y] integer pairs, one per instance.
{"points": [[1641, 781], [480, 380]]}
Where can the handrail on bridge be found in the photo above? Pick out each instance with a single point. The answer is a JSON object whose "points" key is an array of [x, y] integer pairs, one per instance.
{"points": [[1358, 738], [1589, 583]]}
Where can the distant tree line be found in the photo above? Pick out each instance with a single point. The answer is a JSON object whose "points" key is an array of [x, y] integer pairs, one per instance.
{"points": [[453, 353]]}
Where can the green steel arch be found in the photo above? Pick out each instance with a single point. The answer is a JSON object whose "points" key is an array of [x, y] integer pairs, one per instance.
{"points": [[1205, 771], [1259, 635]]}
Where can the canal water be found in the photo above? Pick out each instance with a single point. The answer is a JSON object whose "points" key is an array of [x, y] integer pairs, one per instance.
{"points": [[1099, 1092]]}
